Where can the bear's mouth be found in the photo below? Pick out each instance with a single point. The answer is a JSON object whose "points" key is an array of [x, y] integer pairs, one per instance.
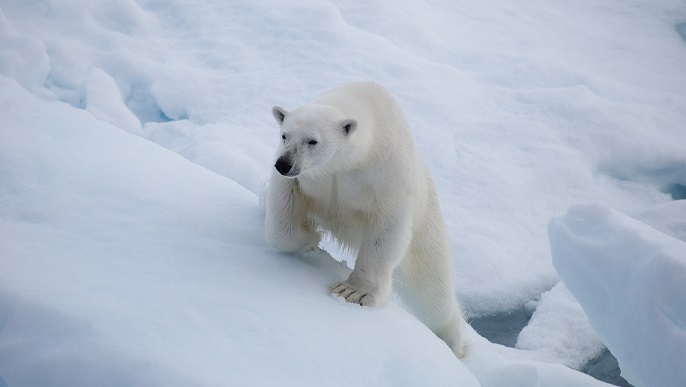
{"points": [[291, 174]]}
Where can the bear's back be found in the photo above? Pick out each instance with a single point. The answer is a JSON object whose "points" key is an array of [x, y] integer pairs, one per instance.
{"points": [[362, 98]]}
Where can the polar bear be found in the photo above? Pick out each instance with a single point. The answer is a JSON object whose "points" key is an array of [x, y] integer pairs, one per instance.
{"points": [[347, 165]]}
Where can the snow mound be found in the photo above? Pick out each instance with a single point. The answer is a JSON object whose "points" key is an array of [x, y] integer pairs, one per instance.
{"points": [[631, 280], [559, 330]]}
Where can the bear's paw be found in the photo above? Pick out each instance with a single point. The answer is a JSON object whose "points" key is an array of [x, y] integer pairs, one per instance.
{"points": [[361, 291]]}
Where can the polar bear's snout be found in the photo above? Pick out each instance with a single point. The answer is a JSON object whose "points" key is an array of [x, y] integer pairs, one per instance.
{"points": [[284, 165]]}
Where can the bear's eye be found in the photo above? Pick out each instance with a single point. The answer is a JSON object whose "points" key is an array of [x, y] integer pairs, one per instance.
{"points": [[283, 136], [312, 142]]}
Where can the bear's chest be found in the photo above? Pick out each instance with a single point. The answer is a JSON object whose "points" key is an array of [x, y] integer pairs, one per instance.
{"points": [[336, 193]]}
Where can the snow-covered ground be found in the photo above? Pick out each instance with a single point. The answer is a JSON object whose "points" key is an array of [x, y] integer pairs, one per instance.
{"points": [[136, 137]]}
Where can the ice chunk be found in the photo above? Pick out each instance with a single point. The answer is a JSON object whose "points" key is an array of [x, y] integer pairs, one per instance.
{"points": [[631, 280]]}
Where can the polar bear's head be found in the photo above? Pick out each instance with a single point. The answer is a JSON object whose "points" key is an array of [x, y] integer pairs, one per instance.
{"points": [[312, 139]]}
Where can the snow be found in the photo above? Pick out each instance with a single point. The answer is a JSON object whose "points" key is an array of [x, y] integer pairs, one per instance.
{"points": [[630, 280], [136, 138]]}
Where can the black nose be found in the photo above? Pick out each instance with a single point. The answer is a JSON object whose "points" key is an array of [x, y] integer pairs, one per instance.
{"points": [[283, 165]]}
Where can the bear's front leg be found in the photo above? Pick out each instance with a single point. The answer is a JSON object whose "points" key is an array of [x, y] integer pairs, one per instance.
{"points": [[288, 228], [384, 247]]}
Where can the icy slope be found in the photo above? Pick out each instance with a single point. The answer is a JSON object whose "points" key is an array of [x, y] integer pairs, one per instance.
{"points": [[124, 264]]}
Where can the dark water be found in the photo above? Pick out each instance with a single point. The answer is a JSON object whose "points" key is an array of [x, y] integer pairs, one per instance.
{"points": [[605, 368], [681, 29], [678, 191], [503, 328]]}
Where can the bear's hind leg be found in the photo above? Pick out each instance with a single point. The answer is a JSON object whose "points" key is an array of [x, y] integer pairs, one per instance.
{"points": [[424, 282]]}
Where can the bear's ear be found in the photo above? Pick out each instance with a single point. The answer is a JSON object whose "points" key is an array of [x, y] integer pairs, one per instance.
{"points": [[279, 114], [349, 125]]}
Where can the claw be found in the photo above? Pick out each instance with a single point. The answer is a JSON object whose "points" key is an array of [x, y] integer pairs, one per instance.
{"points": [[348, 292], [355, 294], [338, 288]]}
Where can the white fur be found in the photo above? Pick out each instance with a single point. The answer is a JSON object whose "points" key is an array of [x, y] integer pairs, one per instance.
{"points": [[355, 173]]}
